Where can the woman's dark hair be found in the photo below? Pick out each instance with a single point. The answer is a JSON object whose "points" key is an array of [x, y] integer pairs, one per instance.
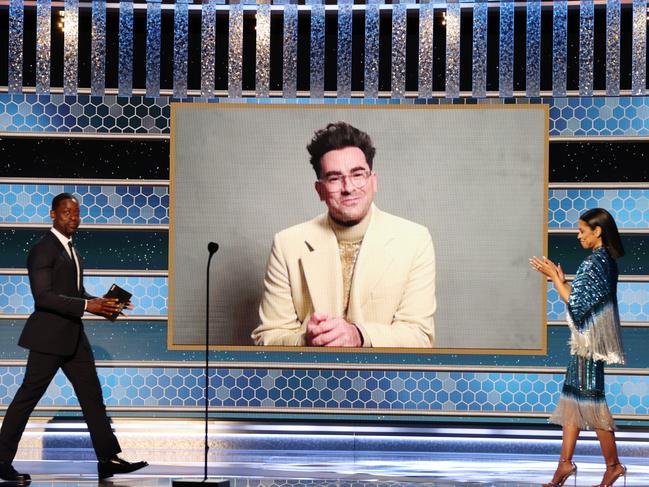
{"points": [[599, 217], [336, 136]]}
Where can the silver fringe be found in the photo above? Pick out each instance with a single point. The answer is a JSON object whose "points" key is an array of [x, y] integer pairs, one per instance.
{"points": [[601, 339], [585, 415]]}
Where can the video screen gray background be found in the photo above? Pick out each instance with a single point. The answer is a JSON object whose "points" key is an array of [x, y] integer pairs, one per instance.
{"points": [[475, 177]]}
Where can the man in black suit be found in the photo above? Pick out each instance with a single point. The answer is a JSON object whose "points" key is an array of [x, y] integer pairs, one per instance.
{"points": [[54, 336]]}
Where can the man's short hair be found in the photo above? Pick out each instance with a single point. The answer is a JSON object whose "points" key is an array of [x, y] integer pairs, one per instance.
{"points": [[61, 197], [338, 136]]}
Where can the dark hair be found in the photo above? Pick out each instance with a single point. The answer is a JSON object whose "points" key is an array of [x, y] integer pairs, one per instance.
{"points": [[338, 136], [599, 217], [61, 197]]}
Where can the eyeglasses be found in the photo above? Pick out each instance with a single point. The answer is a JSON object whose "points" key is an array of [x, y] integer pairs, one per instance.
{"points": [[358, 179]]}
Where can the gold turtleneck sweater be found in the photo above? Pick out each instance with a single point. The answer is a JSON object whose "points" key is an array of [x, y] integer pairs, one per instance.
{"points": [[349, 244]]}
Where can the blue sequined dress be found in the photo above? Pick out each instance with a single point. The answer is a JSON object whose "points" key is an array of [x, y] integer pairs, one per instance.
{"points": [[594, 323]]}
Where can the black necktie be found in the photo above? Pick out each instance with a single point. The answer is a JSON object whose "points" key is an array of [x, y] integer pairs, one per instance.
{"points": [[74, 259]]}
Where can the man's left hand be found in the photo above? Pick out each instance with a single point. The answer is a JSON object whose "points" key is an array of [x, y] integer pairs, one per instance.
{"points": [[128, 306], [336, 332]]}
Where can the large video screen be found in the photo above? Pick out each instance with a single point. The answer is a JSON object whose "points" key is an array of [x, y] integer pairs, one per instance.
{"points": [[474, 175]]}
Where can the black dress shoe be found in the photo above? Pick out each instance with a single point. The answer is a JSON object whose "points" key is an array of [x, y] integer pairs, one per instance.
{"points": [[108, 468], [8, 473]]}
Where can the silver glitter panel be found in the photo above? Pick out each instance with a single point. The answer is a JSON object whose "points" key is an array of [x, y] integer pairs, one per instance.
{"points": [[399, 19], [506, 53], [71, 47], [316, 86], [586, 44], [533, 51], [153, 28], [208, 48], [559, 47], [43, 45], [479, 69], [639, 48], [289, 63], [98, 48], [181, 46], [235, 50], [452, 49], [612, 47], [262, 71], [125, 75], [344, 50], [426, 22], [16, 21], [371, 79]]}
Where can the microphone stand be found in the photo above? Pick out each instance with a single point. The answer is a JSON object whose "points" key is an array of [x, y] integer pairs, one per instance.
{"points": [[212, 247]]}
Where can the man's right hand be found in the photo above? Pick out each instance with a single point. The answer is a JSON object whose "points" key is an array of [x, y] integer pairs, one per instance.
{"points": [[323, 330], [103, 306], [312, 330]]}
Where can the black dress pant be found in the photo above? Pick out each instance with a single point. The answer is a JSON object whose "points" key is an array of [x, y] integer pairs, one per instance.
{"points": [[80, 370]]}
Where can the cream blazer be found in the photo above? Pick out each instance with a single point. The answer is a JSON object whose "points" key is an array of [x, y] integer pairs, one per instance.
{"points": [[392, 297]]}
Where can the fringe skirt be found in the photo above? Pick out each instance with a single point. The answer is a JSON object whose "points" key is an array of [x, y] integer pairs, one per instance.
{"points": [[583, 403]]}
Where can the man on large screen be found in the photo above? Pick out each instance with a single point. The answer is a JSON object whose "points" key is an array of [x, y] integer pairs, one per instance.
{"points": [[354, 276]]}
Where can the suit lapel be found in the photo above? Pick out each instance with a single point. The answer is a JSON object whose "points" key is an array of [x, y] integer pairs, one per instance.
{"points": [[66, 256], [60, 248], [322, 269], [373, 260]]}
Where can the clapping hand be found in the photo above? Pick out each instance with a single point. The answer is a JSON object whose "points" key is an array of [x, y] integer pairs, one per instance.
{"points": [[554, 271], [548, 268]]}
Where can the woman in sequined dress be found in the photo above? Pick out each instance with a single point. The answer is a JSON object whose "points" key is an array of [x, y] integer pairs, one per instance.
{"points": [[594, 323]]}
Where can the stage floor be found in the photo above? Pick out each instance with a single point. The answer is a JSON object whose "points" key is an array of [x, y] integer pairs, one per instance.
{"points": [[358, 470]]}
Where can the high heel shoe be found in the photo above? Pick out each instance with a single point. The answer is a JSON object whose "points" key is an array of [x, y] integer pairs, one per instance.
{"points": [[562, 480], [617, 476]]}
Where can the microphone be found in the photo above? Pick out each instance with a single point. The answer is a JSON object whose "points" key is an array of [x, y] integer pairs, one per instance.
{"points": [[212, 247]]}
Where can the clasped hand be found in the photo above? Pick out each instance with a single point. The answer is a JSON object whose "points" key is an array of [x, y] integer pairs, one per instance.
{"points": [[323, 330]]}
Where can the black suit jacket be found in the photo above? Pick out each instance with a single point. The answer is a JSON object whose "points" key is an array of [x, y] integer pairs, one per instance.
{"points": [[55, 325]]}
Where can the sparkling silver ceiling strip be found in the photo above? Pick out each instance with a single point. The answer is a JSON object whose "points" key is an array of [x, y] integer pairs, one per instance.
{"points": [[98, 49], [16, 26], [533, 51], [208, 48], [181, 48], [559, 47], [344, 50], [586, 46], [43, 45], [452, 49], [479, 68], [262, 45], [372, 27], [153, 34], [426, 25], [639, 48], [289, 67], [71, 47], [506, 54], [317, 55], [399, 25], [235, 50], [613, 47], [125, 75]]}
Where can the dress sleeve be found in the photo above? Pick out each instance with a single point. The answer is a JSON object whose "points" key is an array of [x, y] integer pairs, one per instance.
{"points": [[590, 287]]}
